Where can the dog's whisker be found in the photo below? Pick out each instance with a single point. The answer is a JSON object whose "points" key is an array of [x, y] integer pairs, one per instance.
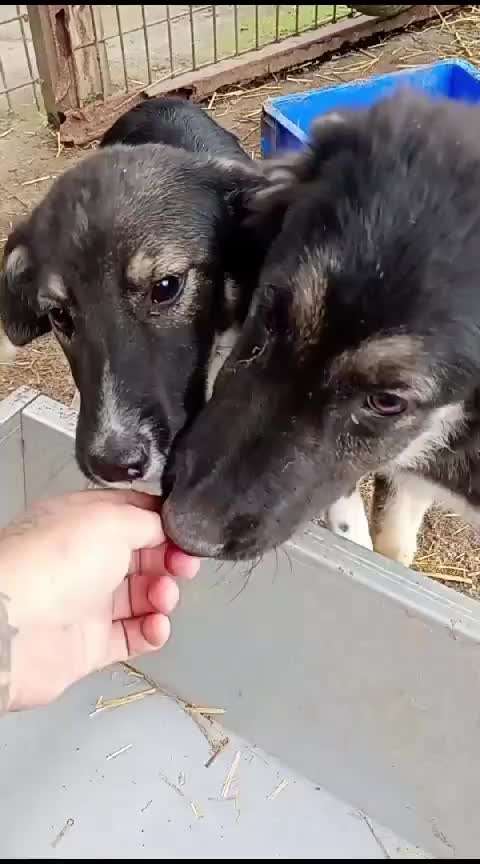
{"points": [[224, 576], [275, 571], [290, 562], [248, 574]]}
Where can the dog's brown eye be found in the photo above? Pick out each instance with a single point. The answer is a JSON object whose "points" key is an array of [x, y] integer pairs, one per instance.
{"points": [[165, 290], [386, 404], [62, 321]]}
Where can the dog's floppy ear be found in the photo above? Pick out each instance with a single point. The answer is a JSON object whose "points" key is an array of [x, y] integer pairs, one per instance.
{"points": [[240, 181], [20, 314], [285, 174], [244, 184], [240, 249]]}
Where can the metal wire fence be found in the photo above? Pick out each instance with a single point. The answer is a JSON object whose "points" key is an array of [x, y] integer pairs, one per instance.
{"points": [[19, 80], [154, 43], [118, 48]]}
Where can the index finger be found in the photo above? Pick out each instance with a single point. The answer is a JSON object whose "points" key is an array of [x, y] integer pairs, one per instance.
{"points": [[164, 559]]}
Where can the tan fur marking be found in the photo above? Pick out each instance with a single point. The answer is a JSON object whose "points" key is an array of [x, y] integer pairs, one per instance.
{"points": [[396, 359], [144, 267], [56, 287], [81, 223], [17, 261], [308, 307]]}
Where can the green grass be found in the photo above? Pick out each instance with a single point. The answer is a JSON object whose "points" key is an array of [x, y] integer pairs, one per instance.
{"points": [[247, 37]]}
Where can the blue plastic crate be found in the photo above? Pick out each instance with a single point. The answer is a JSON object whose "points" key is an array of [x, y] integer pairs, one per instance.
{"points": [[286, 120]]}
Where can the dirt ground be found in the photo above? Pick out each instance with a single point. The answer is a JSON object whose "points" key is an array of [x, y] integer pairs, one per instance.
{"points": [[30, 159]]}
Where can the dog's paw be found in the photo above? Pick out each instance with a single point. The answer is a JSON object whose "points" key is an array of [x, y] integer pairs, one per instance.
{"points": [[396, 548], [75, 403], [347, 518], [7, 350]]}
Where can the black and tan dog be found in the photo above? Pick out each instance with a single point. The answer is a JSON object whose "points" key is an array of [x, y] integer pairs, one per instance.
{"points": [[134, 259], [361, 350]]}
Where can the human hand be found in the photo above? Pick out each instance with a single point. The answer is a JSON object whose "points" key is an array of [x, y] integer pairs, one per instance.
{"points": [[63, 570]]}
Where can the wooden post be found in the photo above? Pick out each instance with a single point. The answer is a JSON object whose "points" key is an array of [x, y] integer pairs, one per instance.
{"points": [[71, 56], [53, 52], [85, 29]]}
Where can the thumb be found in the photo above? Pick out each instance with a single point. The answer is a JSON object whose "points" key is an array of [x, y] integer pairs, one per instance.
{"points": [[141, 529], [137, 516]]}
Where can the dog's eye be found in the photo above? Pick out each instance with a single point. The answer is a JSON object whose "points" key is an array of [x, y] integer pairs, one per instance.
{"points": [[386, 404], [62, 321], [165, 291]]}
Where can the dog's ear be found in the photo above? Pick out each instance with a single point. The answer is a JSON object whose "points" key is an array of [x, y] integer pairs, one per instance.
{"points": [[285, 175], [244, 184], [20, 313], [240, 180], [240, 251]]}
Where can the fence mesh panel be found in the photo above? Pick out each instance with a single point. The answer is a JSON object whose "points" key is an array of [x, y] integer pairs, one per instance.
{"points": [[155, 43], [19, 81], [123, 47]]}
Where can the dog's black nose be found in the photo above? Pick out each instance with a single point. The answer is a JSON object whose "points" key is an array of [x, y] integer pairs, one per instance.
{"points": [[191, 532], [122, 470]]}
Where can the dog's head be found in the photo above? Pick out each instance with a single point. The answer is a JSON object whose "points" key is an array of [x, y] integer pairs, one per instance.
{"points": [[363, 338], [126, 261]]}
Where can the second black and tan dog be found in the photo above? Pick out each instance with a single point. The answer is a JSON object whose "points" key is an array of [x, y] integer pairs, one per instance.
{"points": [[361, 350]]}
